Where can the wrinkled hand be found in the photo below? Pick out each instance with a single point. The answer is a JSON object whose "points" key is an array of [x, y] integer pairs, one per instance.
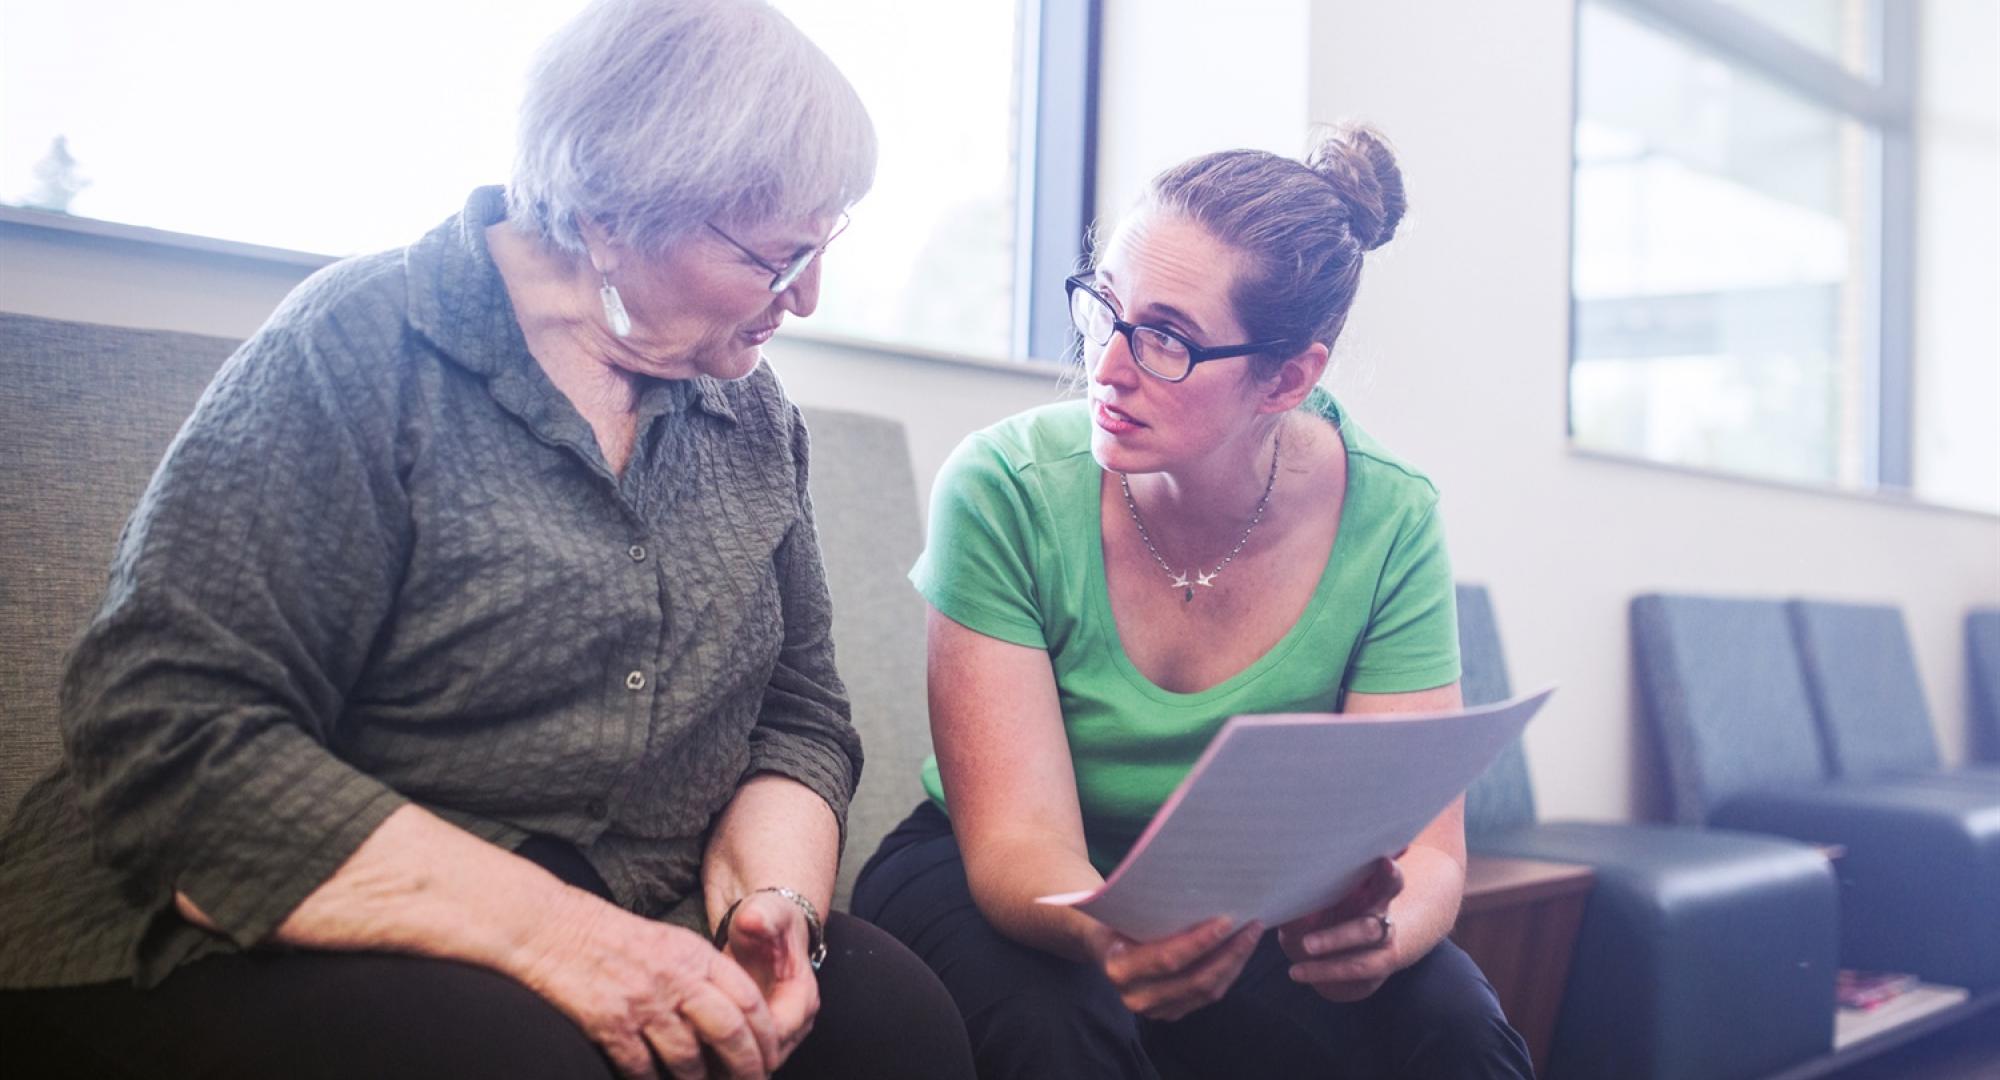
{"points": [[649, 993], [1343, 951], [1172, 977], [768, 939]]}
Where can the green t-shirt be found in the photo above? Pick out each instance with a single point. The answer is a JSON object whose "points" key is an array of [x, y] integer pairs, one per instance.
{"points": [[1016, 553]]}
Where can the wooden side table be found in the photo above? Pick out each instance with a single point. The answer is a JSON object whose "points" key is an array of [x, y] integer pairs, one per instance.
{"points": [[1519, 924]]}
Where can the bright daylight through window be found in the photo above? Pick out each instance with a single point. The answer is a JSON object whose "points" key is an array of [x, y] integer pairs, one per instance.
{"points": [[352, 127], [1757, 183]]}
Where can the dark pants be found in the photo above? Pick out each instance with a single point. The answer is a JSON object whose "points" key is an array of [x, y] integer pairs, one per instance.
{"points": [[322, 1014], [1034, 1015]]}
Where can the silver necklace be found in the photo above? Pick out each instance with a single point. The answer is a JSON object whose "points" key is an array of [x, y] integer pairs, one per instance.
{"points": [[1179, 579]]}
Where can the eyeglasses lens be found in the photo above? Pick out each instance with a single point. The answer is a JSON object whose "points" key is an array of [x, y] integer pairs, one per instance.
{"points": [[1160, 354], [1090, 315]]}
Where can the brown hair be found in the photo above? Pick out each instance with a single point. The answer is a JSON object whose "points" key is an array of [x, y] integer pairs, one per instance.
{"points": [[1301, 227]]}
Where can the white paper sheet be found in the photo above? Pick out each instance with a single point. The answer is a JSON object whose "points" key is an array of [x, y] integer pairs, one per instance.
{"points": [[1283, 814]]}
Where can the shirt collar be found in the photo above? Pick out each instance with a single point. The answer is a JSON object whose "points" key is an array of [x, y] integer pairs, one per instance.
{"points": [[457, 300]]}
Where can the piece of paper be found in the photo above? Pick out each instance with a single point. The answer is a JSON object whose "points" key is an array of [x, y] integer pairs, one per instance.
{"points": [[1283, 814]]}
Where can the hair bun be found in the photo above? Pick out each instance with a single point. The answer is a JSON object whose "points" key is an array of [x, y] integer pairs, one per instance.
{"points": [[1357, 161]]}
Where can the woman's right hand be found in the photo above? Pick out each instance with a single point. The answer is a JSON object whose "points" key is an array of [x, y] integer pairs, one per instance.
{"points": [[649, 993], [1172, 977]]}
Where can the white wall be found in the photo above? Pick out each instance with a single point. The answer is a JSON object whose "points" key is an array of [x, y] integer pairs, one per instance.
{"points": [[1455, 357], [1957, 379], [1184, 77]]}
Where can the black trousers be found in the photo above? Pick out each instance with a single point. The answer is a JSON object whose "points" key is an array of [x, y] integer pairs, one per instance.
{"points": [[1034, 1015], [323, 1014]]}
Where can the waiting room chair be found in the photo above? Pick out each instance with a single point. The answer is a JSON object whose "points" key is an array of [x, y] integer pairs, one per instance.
{"points": [[1702, 954], [1867, 697], [1722, 687], [1982, 673]]}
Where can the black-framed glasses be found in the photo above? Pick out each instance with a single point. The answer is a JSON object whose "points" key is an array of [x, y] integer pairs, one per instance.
{"points": [[1161, 352], [782, 277]]}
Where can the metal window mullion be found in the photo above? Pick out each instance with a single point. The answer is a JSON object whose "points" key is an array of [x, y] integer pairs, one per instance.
{"points": [[1895, 464], [1770, 53], [1056, 182]]}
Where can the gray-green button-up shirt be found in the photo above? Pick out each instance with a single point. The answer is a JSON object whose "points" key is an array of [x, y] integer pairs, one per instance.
{"points": [[386, 562]]}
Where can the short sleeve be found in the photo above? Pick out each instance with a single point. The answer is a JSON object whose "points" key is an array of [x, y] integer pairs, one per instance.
{"points": [[1411, 642], [977, 567]]}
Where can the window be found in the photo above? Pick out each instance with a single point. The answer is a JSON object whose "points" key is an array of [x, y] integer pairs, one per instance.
{"points": [[1743, 278], [338, 129]]}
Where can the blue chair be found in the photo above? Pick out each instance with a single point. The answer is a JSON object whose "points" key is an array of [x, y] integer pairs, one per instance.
{"points": [[1702, 954], [1721, 684], [1867, 696], [1982, 673]]}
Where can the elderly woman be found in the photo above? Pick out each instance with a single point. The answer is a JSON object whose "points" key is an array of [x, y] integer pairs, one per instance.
{"points": [[1209, 534], [463, 702]]}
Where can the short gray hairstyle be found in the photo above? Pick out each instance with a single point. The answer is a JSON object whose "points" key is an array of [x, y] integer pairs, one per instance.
{"points": [[650, 117]]}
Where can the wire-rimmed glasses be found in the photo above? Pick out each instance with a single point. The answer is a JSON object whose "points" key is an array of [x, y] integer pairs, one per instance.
{"points": [[782, 277]]}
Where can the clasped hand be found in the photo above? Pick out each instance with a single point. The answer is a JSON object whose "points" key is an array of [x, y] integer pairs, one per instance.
{"points": [[1344, 952], [654, 995], [1347, 951]]}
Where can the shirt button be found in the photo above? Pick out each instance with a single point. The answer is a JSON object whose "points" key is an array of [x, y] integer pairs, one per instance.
{"points": [[637, 551], [596, 809], [635, 681]]}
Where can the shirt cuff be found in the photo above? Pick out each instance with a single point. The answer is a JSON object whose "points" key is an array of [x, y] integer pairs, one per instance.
{"points": [[824, 769], [287, 821]]}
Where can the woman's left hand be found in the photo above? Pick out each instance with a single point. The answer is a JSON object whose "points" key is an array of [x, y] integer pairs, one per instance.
{"points": [[1348, 950], [767, 938]]}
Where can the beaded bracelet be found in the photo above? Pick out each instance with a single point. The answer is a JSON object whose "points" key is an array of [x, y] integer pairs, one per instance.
{"points": [[815, 936]]}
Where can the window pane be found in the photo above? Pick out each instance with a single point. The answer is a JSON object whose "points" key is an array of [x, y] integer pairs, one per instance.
{"points": [[1722, 306], [357, 126], [930, 259], [300, 126], [1847, 32]]}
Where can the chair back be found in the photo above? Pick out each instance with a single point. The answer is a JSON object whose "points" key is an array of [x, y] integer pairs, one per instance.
{"points": [[1719, 683], [1982, 664], [1866, 694], [86, 412], [1504, 796], [864, 494]]}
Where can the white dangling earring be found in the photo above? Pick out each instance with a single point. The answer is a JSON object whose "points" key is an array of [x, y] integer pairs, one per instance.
{"points": [[614, 308]]}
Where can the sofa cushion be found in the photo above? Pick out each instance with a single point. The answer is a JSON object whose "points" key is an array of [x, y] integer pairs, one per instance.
{"points": [[1920, 877], [86, 413], [1702, 955]]}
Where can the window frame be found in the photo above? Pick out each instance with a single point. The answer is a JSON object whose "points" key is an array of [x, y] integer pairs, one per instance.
{"points": [[1056, 187], [1888, 108]]}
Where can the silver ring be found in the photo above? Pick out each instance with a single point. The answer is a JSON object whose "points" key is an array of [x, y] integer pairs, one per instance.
{"points": [[1383, 918]]}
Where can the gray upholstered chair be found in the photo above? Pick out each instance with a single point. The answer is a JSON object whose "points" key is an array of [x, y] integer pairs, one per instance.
{"points": [[86, 412], [1867, 696], [1920, 878], [1982, 664], [870, 532], [1702, 954]]}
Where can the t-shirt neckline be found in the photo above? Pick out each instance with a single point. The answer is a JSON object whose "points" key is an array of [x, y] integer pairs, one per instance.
{"points": [[1323, 406]]}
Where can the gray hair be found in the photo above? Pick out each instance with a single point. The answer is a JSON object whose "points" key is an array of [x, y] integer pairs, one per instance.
{"points": [[1301, 227], [650, 117]]}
